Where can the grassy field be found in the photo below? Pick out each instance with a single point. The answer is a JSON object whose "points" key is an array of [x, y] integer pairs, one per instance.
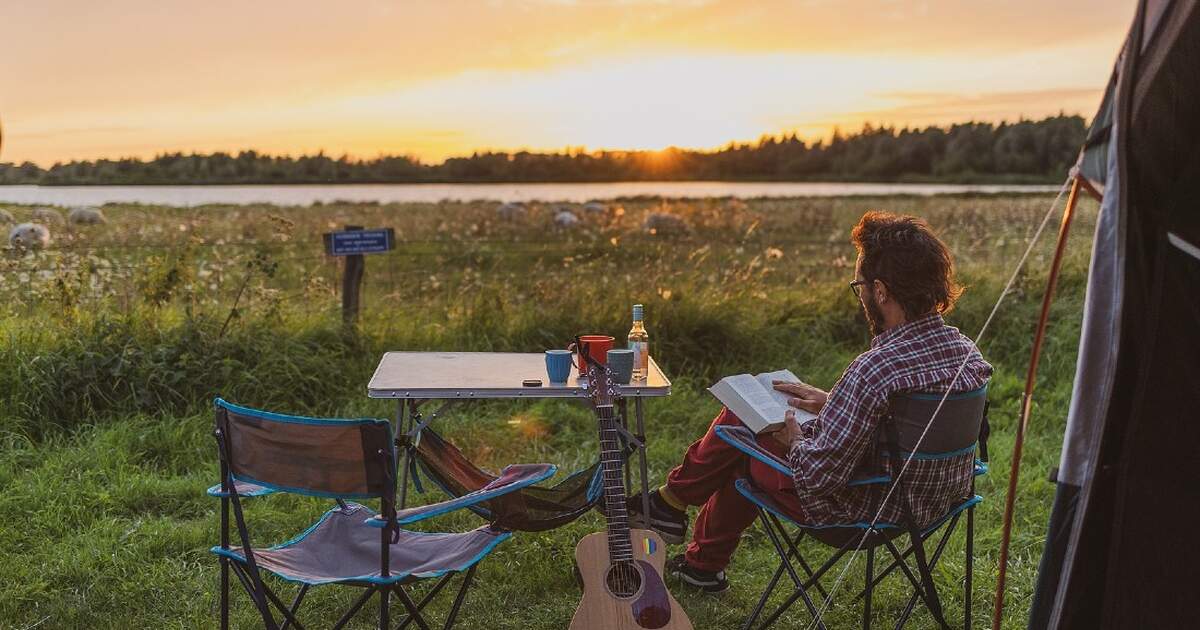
{"points": [[116, 339]]}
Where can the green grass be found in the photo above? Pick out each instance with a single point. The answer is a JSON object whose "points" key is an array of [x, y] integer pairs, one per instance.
{"points": [[113, 349]]}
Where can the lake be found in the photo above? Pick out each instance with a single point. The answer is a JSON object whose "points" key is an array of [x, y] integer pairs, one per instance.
{"points": [[288, 195]]}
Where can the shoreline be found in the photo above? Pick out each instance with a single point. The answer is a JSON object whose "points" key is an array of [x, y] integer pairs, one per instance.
{"points": [[545, 193]]}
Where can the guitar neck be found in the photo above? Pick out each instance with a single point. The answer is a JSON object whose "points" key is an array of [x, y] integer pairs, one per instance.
{"points": [[620, 547]]}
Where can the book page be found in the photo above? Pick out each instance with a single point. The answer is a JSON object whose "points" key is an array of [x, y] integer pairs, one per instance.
{"points": [[752, 403], [765, 379]]}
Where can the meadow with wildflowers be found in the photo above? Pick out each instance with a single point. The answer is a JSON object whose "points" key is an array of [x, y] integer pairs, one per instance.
{"points": [[117, 337]]}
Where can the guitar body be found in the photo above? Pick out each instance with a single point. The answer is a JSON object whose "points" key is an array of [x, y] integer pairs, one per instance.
{"points": [[638, 603], [621, 568]]}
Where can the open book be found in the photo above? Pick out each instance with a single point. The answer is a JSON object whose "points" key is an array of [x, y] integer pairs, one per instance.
{"points": [[754, 400]]}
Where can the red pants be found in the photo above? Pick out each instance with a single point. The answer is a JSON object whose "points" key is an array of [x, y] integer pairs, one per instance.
{"points": [[706, 477]]}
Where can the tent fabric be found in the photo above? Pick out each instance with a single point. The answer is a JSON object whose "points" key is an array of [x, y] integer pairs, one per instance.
{"points": [[1101, 322], [1118, 552], [343, 548], [529, 509], [1094, 158]]}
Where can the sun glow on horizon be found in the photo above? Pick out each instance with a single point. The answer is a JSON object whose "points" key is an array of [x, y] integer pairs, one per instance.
{"points": [[505, 75]]}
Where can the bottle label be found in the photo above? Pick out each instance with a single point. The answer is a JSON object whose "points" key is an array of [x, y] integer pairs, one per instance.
{"points": [[639, 354]]}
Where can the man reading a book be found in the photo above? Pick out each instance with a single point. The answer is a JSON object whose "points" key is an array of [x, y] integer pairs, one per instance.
{"points": [[904, 279]]}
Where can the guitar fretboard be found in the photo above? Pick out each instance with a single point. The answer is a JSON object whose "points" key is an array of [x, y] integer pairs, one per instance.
{"points": [[620, 547]]}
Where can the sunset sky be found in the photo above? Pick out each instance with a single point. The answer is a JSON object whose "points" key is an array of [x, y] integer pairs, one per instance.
{"points": [[81, 79]]}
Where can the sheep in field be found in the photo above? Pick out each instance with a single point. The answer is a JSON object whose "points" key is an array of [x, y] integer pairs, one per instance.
{"points": [[566, 219], [86, 216], [664, 224], [29, 236], [47, 215], [509, 211], [595, 206], [6, 217]]}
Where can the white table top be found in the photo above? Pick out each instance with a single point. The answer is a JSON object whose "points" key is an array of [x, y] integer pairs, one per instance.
{"points": [[447, 375]]}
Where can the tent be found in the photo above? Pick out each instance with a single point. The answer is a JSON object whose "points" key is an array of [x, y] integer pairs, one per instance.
{"points": [[1121, 550]]}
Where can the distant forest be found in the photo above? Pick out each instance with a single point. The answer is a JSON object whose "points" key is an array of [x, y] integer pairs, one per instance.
{"points": [[1025, 151]]}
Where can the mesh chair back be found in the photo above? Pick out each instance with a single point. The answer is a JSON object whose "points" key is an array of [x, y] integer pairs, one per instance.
{"points": [[530, 509], [330, 458], [954, 430]]}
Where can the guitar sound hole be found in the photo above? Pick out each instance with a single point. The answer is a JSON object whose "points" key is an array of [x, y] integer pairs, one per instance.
{"points": [[623, 579]]}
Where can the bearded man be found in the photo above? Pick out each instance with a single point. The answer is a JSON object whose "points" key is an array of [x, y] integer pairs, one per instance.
{"points": [[904, 279]]}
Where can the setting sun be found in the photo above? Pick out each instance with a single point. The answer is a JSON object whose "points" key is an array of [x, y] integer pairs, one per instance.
{"points": [[527, 74]]}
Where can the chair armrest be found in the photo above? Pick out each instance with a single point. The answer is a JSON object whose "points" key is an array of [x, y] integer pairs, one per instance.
{"points": [[511, 479], [869, 480], [243, 489], [743, 439]]}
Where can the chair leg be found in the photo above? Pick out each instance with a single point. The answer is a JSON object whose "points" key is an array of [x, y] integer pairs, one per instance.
{"points": [[794, 552], [289, 615], [970, 566], [932, 599], [262, 603], [933, 560], [385, 562], [224, 593], [824, 568], [413, 612], [458, 600], [384, 599], [882, 575], [762, 601], [426, 599], [349, 614], [295, 606], [866, 621], [800, 592], [919, 583]]}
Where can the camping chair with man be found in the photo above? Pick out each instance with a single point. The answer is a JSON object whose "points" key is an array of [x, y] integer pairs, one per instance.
{"points": [[918, 426]]}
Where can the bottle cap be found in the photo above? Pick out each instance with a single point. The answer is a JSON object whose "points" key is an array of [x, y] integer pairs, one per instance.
{"points": [[637, 311]]}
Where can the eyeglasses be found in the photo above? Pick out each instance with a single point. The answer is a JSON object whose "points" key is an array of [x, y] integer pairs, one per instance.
{"points": [[854, 287]]}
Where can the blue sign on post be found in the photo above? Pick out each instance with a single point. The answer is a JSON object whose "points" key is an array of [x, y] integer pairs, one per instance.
{"points": [[356, 242]]}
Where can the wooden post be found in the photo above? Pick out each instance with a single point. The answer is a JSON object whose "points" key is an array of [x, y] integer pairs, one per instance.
{"points": [[351, 243], [352, 277]]}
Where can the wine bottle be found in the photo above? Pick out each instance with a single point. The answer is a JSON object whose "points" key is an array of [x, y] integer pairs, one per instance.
{"points": [[639, 342]]}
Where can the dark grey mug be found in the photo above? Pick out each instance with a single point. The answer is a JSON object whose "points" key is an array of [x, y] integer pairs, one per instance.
{"points": [[620, 361]]}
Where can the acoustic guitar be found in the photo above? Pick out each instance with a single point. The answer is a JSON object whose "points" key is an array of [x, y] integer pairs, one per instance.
{"points": [[621, 568]]}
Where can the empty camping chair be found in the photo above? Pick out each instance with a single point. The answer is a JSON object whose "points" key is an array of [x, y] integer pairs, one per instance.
{"points": [[529, 509], [959, 427], [262, 453]]}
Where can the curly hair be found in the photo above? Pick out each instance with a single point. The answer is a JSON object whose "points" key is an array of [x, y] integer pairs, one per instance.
{"points": [[911, 261]]}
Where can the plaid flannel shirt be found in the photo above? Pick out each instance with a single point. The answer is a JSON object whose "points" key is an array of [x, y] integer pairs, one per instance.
{"points": [[839, 445]]}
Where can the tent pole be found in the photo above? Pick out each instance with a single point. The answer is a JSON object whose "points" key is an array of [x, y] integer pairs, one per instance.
{"points": [[1027, 400]]}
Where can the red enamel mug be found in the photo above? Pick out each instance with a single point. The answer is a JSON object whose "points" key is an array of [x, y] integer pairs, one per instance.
{"points": [[595, 346]]}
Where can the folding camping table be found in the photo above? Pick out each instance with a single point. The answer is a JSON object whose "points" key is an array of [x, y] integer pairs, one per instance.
{"points": [[415, 378]]}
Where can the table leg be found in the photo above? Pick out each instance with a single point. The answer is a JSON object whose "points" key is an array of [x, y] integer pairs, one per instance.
{"points": [[402, 422], [641, 432]]}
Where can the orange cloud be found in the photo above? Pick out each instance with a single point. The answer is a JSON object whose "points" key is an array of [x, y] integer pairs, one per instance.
{"points": [[436, 79]]}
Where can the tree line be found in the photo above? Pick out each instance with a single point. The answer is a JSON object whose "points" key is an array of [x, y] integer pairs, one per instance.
{"points": [[1025, 151]]}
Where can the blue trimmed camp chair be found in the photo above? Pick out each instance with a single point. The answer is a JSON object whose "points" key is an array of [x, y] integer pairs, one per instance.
{"points": [[530, 509], [960, 427], [262, 453]]}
